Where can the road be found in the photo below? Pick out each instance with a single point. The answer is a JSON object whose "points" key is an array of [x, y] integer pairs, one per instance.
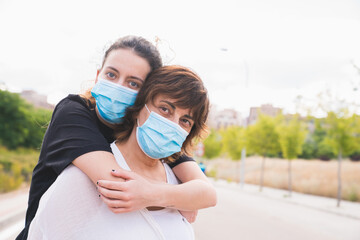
{"points": [[12, 213], [248, 214]]}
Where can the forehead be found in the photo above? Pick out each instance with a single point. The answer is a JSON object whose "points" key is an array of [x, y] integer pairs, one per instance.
{"points": [[163, 99], [127, 60]]}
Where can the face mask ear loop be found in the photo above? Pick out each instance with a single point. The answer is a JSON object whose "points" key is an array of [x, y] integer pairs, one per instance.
{"points": [[147, 108], [137, 120]]}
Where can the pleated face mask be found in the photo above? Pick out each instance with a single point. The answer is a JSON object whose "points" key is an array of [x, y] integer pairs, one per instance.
{"points": [[112, 100], [159, 137]]}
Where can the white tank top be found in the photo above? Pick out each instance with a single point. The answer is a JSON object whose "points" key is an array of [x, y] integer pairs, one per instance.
{"points": [[172, 224], [71, 209]]}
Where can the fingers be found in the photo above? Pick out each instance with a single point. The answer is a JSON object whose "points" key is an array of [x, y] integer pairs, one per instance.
{"points": [[121, 205], [126, 196], [117, 206], [120, 210], [117, 200], [192, 220], [113, 194], [112, 185], [115, 203], [189, 215], [126, 175]]}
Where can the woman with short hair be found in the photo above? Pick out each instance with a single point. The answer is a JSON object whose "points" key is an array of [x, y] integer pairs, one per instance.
{"points": [[82, 128], [170, 111]]}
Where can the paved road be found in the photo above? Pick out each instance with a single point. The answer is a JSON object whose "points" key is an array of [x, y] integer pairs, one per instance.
{"points": [[256, 216], [250, 215], [12, 213]]}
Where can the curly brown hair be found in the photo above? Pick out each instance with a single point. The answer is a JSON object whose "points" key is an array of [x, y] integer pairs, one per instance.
{"points": [[180, 84]]}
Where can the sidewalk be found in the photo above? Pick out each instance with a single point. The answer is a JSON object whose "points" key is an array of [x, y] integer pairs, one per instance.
{"points": [[14, 203], [13, 207], [346, 209]]}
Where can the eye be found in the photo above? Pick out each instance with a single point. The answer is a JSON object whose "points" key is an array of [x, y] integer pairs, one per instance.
{"points": [[136, 85], [186, 123], [164, 110], [110, 75]]}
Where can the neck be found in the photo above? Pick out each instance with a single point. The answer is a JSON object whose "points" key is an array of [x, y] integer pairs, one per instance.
{"points": [[139, 162]]}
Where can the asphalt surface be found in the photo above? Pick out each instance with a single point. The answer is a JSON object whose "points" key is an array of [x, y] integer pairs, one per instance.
{"points": [[249, 214], [241, 214]]}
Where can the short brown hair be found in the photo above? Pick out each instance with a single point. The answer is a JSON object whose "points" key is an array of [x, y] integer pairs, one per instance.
{"points": [[178, 83]]}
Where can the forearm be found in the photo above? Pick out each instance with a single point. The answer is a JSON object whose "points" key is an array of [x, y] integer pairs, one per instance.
{"points": [[192, 195], [98, 165]]}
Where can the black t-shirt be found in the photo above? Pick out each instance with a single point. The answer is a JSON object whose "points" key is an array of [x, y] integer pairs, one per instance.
{"points": [[73, 131]]}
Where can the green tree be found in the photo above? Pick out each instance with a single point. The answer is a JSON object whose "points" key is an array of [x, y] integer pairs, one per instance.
{"points": [[212, 145], [313, 140], [291, 138], [13, 118], [315, 145], [37, 124], [323, 150], [342, 136], [233, 139], [21, 125], [263, 139], [308, 148], [355, 155]]}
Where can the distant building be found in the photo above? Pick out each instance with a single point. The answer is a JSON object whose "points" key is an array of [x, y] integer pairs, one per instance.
{"points": [[36, 99], [266, 109], [224, 118]]}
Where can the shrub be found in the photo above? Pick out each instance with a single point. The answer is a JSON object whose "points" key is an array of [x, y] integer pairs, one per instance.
{"points": [[355, 156], [16, 167], [324, 152], [10, 180]]}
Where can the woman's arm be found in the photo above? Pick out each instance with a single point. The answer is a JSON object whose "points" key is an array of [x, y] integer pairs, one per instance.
{"points": [[98, 164], [194, 193], [135, 194]]}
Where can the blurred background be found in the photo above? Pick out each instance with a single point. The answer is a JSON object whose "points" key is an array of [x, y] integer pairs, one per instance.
{"points": [[283, 77]]}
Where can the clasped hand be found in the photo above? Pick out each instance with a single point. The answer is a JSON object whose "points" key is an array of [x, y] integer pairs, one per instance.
{"points": [[132, 192]]}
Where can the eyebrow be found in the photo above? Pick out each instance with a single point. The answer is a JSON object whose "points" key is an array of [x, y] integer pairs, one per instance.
{"points": [[137, 78], [115, 70], [173, 107], [188, 116], [170, 103]]}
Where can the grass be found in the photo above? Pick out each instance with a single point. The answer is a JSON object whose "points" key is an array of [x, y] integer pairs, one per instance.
{"points": [[16, 167], [308, 176]]}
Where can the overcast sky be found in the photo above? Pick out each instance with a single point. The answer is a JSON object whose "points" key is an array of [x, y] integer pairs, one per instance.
{"points": [[248, 52]]}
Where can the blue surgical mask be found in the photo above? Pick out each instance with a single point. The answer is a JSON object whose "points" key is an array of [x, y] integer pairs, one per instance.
{"points": [[159, 137], [112, 100]]}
